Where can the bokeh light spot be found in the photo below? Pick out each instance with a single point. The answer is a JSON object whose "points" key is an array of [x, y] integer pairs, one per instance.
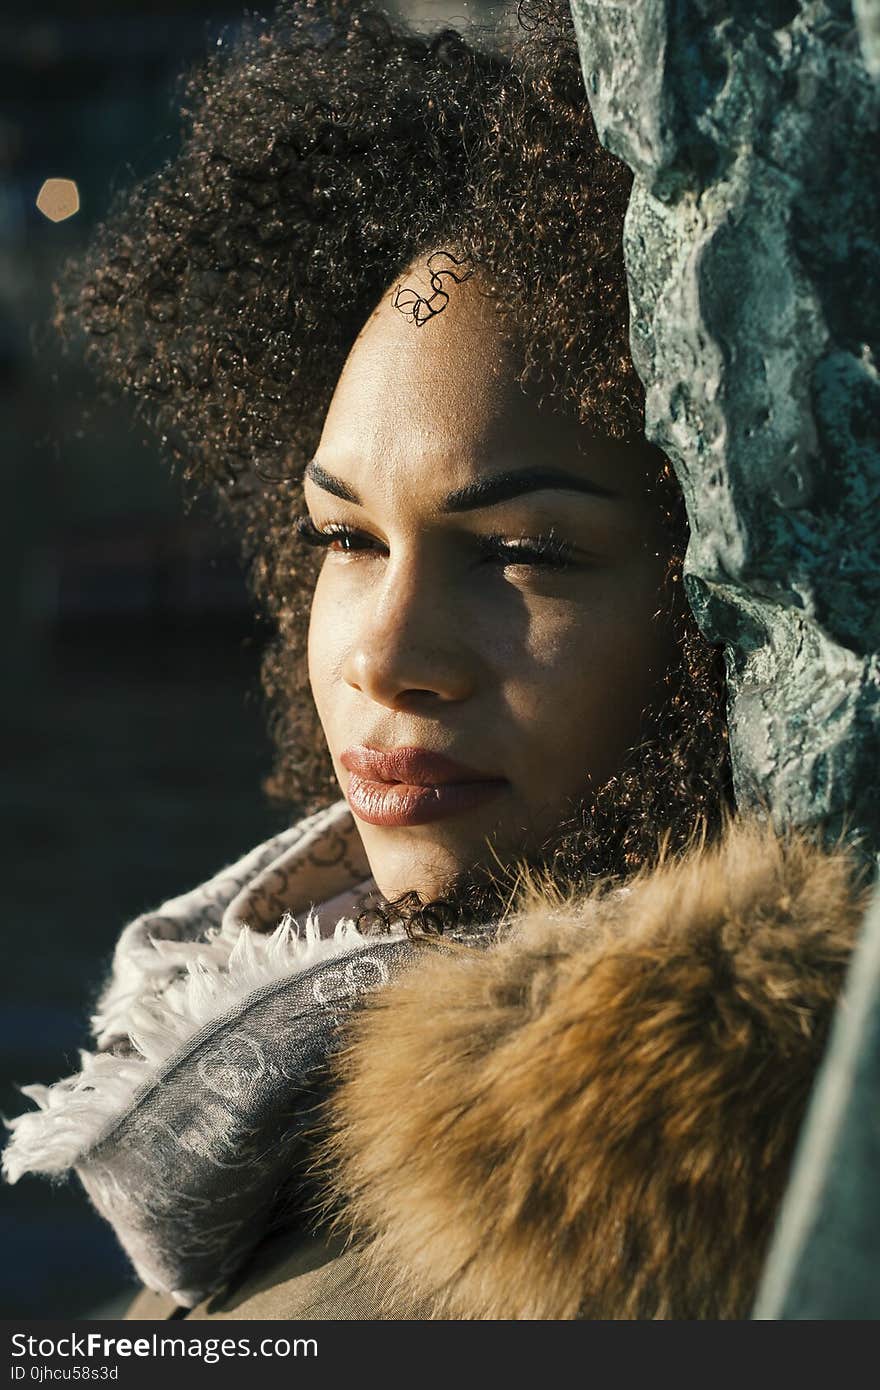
{"points": [[58, 199]]}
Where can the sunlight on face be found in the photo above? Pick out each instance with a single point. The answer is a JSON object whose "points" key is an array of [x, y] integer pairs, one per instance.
{"points": [[490, 592]]}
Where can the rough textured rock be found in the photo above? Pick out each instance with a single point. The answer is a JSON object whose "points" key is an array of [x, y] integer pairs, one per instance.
{"points": [[753, 248], [754, 262], [867, 14]]}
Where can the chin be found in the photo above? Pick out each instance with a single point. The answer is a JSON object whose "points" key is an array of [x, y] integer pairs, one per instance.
{"points": [[398, 874], [428, 887], [444, 858]]}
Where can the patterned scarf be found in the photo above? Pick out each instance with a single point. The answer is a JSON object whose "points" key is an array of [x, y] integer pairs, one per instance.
{"points": [[221, 1011]]}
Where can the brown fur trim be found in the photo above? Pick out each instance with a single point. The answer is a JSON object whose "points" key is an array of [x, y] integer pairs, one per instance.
{"points": [[595, 1117]]}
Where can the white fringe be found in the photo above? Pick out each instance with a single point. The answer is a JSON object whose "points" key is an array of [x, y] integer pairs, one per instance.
{"points": [[221, 972]]}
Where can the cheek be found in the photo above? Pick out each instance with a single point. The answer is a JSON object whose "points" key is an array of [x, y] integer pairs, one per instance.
{"points": [[326, 638], [576, 690]]}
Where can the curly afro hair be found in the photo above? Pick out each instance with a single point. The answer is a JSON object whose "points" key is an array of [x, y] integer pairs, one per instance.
{"points": [[323, 153]]}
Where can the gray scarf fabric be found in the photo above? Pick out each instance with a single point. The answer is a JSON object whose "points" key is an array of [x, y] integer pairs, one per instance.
{"points": [[221, 1010], [190, 1172]]}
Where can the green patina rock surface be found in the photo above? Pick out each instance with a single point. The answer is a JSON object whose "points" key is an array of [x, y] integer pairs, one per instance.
{"points": [[867, 14], [753, 251]]}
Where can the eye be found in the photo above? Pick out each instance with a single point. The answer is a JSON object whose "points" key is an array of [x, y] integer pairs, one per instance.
{"points": [[336, 531], [548, 552]]}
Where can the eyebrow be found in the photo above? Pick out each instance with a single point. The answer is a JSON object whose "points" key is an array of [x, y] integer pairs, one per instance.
{"points": [[486, 492]]}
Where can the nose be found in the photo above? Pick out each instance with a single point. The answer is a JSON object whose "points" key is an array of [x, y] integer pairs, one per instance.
{"points": [[409, 639]]}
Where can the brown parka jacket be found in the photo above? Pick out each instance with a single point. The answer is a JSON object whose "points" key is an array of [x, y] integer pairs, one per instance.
{"points": [[592, 1118]]}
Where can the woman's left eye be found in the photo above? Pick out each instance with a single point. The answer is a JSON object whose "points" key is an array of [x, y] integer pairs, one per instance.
{"points": [[547, 551]]}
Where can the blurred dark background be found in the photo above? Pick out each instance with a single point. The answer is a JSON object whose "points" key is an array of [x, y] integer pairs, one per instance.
{"points": [[133, 738]]}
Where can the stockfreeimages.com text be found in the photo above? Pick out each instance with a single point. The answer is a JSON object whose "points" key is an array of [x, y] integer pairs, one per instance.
{"points": [[209, 1349]]}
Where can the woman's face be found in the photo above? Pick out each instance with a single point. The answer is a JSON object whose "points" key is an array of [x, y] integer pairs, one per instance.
{"points": [[437, 624]]}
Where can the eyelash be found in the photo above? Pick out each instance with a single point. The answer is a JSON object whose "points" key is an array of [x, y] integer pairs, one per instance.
{"points": [[546, 551]]}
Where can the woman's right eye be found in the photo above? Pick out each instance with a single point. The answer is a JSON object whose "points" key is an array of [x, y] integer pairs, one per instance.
{"points": [[306, 530]]}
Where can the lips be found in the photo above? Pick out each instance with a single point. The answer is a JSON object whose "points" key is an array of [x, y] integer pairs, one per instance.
{"points": [[411, 786], [416, 767]]}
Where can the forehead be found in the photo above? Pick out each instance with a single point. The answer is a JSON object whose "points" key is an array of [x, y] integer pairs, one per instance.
{"points": [[446, 377], [435, 404]]}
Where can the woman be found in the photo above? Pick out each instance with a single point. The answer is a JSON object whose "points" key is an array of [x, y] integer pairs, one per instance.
{"points": [[379, 302]]}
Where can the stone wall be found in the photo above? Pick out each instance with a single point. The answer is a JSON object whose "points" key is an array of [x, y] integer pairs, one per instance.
{"points": [[753, 129], [753, 248]]}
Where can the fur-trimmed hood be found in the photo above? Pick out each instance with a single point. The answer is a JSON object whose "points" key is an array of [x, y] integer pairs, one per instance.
{"points": [[596, 1118], [593, 1117]]}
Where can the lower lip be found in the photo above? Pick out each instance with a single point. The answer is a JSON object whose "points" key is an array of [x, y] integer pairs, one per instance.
{"points": [[397, 803]]}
